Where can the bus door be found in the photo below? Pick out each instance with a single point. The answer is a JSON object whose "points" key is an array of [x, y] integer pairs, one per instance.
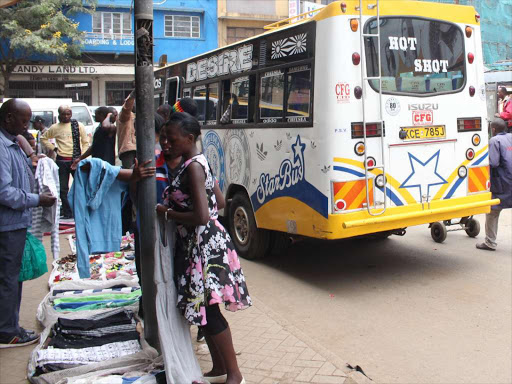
{"points": [[423, 67], [173, 87]]}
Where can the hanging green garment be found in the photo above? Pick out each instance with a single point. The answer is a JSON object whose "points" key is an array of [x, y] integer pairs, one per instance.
{"points": [[33, 263]]}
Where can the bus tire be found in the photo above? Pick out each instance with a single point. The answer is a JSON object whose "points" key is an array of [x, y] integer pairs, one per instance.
{"points": [[250, 242], [472, 227], [278, 243], [438, 232]]}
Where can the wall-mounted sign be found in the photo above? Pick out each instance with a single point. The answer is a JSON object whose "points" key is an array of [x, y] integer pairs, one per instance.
{"points": [[109, 42], [73, 70]]}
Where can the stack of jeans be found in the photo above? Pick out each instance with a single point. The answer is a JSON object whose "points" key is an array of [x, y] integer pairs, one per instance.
{"points": [[76, 342]]}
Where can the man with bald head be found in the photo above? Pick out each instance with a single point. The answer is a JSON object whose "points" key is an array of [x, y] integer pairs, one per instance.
{"points": [[71, 142], [16, 201], [500, 161]]}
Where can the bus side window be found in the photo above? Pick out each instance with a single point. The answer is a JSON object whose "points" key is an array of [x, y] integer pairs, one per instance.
{"points": [[240, 100], [213, 98], [225, 116], [272, 97], [200, 98], [298, 94]]}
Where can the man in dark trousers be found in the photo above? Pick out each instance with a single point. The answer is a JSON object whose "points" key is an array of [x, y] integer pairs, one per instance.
{"points": [[500, 161], [16, 201]]}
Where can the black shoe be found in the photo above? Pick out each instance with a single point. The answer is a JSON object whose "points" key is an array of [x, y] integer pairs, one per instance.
{"points": [[200, 336], [29, 331], [484, 247], [20, 340]]}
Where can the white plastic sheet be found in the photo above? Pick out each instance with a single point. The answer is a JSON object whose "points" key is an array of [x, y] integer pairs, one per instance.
{"points": [[181, 364]]}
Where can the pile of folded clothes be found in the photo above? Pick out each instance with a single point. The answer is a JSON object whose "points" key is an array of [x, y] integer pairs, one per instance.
{"points": [[93, 299], [98, 338]]}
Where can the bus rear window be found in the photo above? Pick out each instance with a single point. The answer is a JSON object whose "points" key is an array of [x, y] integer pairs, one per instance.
{"points": [[418, 56]]}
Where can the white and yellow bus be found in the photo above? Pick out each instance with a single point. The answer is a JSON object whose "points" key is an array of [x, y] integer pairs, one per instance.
{"points": [[322, 107]]}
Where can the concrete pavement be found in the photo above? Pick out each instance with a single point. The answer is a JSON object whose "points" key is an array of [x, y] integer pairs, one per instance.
{"points": [[269, 349]]}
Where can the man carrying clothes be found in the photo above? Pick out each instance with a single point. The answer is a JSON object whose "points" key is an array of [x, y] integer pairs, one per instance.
{"points": [[71, 141], [16, 201], [500, 161]]}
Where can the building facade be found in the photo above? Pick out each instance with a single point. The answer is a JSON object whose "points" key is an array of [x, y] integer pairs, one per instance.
{"points": [[181, 29]]}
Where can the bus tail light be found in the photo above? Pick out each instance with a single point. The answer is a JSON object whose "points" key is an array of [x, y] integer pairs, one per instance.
{"points": [[356, 58], [470, 154], [359, 148], [358, 92], [476, 140], [471, 91], [478, 179], [469, 124], [372, 130], [477, 17], [469, 31], [354, 25], [343, 7], [471, 58]]}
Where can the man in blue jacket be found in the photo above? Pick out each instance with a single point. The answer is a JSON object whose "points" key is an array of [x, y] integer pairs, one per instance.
{"points": [[500, 161], [16, 201]]}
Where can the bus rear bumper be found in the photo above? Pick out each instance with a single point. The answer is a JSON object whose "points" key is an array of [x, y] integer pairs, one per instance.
{"points": [[445, 213], [361, 223]]}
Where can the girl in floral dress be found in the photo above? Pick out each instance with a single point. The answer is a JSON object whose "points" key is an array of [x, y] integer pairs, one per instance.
{"points": [[207, 269]]}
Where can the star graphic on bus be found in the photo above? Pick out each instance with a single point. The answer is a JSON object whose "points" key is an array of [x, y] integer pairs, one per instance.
{"points": [[424, 174]]}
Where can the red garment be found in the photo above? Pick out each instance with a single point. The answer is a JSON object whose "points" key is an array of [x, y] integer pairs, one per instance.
{"points": [[507, 112]]}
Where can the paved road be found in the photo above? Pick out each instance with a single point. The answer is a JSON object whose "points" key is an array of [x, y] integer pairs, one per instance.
{"points": [[406, 309]]}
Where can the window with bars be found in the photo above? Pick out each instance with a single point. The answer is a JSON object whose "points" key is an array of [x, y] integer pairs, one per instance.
{"points": [[182, 26], [112, 23]]}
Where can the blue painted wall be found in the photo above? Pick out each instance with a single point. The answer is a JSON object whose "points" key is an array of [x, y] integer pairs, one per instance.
{"points": [[175, 48]]}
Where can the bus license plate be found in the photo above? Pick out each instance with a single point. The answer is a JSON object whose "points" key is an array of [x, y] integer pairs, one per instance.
{"points": [[425, 133]]}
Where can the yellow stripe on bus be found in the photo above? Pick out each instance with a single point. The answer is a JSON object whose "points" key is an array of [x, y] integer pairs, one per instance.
{"points": [[449, 12], [404, 193], [454, 174]]}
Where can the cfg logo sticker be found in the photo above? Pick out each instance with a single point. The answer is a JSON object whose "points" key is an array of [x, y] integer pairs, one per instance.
{"points": [[422, 117], [342, 91]]}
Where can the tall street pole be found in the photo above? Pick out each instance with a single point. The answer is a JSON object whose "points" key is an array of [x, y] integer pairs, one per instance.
{"points": [[145, 130]]}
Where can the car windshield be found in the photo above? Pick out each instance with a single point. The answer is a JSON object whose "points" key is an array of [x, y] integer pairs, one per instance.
{"points": [[82, 114], [46, 115], [418, 56]]}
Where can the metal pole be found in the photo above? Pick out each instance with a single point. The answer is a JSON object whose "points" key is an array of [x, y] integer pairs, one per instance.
{"points": [[145, 129]]}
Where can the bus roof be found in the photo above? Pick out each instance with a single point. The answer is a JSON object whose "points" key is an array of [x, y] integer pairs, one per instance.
{"points": [[454, 13]]}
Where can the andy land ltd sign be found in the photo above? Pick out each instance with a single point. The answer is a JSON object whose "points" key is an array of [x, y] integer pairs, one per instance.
{"points": [[74, 70]]}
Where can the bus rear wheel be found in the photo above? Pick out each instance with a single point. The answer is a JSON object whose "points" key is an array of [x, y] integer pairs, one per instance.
{"points": [[250, 242], [438, 232]]}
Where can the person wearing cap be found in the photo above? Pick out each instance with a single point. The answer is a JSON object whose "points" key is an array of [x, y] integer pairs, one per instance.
{"points": [[38, 124], [71, 142]]}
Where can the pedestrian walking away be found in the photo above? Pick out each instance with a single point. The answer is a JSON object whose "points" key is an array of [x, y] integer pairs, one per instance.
{"points": [[506, 106], [16, 200], [71, 142], [207, 268], [500, 161]]}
